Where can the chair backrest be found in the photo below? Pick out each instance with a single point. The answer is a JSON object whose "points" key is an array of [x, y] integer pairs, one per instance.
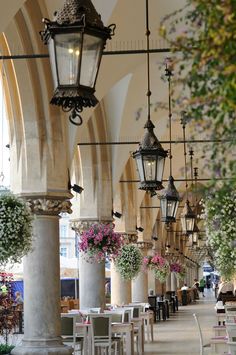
{"points": [[230, 317], [127, 316], [136, 311], [71, 304], [199, 333], [232, 347], [67, 326], [101, 326], [116, 315], [231, 331], [139, 304], [152, 300]]}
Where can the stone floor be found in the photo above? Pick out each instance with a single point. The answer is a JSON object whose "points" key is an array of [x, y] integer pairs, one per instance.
{"points": [[178, 335]]}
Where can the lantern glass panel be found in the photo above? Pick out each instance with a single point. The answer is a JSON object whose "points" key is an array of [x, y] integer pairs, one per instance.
{"points": [[160, 167], [190, 224], [149, 163], [139, 163], [51, 49], [163, 204], [68, 52], [195, 237], [92, 51], [175, 208]]}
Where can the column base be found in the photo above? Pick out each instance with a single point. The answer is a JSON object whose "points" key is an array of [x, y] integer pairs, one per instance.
{"points": [[42, 346]]}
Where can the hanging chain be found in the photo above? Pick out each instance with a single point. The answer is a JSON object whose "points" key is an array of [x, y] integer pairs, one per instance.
{"points": [[149, 93], [185, 153], [169, 74], [195, 178], [191, 154]]}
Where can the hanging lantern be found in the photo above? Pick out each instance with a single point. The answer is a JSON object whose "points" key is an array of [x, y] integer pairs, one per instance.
{"points": [[150, 160], [195, 233], [76, 39], [187, 219], [169, 202]]}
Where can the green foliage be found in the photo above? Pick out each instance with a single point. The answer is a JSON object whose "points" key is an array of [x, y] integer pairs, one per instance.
{"points": [[15, 229], [220, 220], [129, 262], [6, 349], [203, 37]]}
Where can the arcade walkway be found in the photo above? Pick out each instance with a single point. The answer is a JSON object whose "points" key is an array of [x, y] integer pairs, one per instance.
{"points": [[178, 335]]}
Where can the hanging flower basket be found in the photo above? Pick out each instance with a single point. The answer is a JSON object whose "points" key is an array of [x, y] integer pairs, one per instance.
{"points": [[15, 229], [162, 273], [100, 242], [178, 269], [158, 264], [153, 262], [129, 262]]}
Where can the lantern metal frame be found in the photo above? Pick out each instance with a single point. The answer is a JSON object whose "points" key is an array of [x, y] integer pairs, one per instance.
{"points": [[77, 17], [187, 216], [150, 156], [169, 200]]}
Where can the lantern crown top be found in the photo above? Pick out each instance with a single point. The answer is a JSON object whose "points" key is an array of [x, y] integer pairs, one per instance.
{"points": [[149, 140], [187, 211], [171, 191], [73, 12]]}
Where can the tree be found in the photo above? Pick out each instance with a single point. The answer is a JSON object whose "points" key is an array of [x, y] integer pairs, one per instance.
{"points": [[203, 37]]}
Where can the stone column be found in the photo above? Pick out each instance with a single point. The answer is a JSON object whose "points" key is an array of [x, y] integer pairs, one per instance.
{"points": [[173, 282], [91, 275], [121, 289], [140, 283], [42, 281], [168, 283]]}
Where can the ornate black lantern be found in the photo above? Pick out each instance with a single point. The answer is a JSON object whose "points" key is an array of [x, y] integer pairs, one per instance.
{"points": [[169, 202], [150, 157], [76, 39], [187, 218], [195, 233], [150, 160]]}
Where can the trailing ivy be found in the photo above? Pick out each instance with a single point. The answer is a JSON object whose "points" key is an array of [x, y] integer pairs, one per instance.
{"points": [[220, 220], [203, 37]]}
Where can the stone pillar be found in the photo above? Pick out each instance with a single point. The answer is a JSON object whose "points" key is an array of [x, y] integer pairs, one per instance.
{"points": [[91, 275], [173, 282], [140, 283], [121, 289], [42, 281], [168, 283]]}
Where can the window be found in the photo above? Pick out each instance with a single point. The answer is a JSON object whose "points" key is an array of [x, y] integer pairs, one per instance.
{"points": [[63, 231], [63, 251]]}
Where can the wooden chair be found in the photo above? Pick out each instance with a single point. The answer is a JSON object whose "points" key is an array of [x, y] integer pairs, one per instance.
{"points": [[232, 347], [69, 336], [231, 331], [101, 334], [213, 341]]}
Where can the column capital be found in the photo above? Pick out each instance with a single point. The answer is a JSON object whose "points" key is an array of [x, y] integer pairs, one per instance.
{"points": [[80, 225], [130, 237], [144, 245], [48, 205]]}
